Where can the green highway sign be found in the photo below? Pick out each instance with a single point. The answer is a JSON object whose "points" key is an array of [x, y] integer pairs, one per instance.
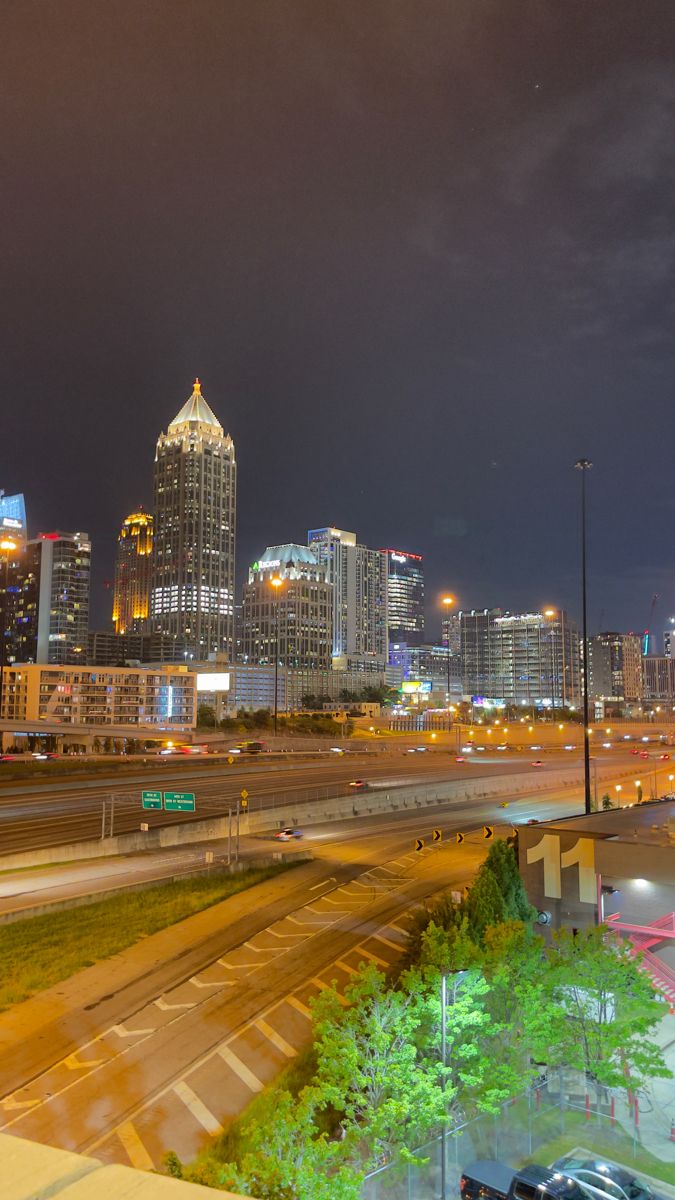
{"points": [[179, 801], [151, 799]]}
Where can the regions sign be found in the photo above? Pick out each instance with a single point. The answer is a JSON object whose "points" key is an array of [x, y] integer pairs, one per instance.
{"points": [[151, 799], [179, 801]]}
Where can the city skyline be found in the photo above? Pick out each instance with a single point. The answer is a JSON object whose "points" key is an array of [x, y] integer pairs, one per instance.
{"points": [[447, 285]]}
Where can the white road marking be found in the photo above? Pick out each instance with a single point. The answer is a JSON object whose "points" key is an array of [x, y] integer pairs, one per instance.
{"points": [[373, 957], [162, 1004], [217, 983], [326, 987], [200, 1112], [323, 883], [275, 1038], [346, 967], [283, 935], [127, 1033], [136, 1151], [379, 937], [299, 1006], [245, 1074]]}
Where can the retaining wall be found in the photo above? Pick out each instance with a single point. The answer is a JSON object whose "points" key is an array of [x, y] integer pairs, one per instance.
{"points": [[338, 808]]}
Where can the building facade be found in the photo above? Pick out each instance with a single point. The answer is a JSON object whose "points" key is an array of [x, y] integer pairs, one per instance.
{"points": [[13, 523], [521, 658], [430, 670], [192, 594], [293, 621], [659, 677], [133, 574], [615, 669], [105, 648], [358, 577], [405, 597], [51, 581], [131, 697]]}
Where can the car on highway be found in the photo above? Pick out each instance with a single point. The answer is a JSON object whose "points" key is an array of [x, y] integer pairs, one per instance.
{"points": [[537, 763], [359, 785], [569, 747], [634, 750], [13, 758], [617, 1182], [644, 754], [336, 750], [289, 834], [467, 749], [44, 754], [532, 821], [664, 757]]}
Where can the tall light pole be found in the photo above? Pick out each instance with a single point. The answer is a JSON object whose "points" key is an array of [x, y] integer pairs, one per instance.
{"points": [[584, 465], [447, 603], [8, 547], [276, 584]]}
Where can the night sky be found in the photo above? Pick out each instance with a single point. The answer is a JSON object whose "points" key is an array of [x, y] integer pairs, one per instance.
{"points": [[421, 255]]}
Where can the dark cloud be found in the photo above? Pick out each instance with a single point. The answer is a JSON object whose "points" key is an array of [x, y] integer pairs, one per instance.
{"points": [[399, 243]]}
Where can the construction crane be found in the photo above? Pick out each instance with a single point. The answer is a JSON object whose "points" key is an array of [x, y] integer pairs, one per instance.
{"points": [[647, 633]]}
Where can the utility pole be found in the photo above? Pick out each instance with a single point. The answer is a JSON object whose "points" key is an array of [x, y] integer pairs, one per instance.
{"points": [[444, 1004], [229, 837], [112, 813], [584, 465]]}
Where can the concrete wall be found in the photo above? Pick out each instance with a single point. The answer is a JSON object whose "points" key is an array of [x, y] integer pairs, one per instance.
{"points": [[339, 808]]}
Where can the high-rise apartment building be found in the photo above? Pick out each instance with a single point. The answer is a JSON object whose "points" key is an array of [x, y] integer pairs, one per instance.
{"points": [[405, 597], [359, 580], [615, 666], [290, 621], [51, 581], [195, 488], [521, 658], [133, 574], [13, 517], [451, 633]]}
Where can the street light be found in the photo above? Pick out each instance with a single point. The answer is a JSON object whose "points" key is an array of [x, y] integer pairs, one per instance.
{"points": [[276, 584], [8, 547], [584, 465]]}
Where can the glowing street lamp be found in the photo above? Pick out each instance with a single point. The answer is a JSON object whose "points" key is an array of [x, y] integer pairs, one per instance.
{"points": [[617, 789]]}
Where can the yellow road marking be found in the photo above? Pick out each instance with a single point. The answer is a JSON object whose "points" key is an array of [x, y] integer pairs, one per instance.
{"points": [[299, 1006], [275, 1038], [136, 1151], [245, 1074], [200, 1112]]}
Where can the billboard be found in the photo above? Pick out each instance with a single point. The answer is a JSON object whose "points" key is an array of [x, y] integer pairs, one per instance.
{"points": [[213, 681], [413, 686]]}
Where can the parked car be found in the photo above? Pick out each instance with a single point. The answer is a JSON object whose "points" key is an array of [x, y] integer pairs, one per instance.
{"points": [[287, 835], [491, 1180], [618, 1182]]}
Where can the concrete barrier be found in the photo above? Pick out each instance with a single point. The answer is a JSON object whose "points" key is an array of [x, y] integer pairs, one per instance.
{"points": [[249, 864], [338, 808]]}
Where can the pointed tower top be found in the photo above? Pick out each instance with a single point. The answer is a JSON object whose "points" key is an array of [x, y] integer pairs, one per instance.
{"points": [[196, 411]]}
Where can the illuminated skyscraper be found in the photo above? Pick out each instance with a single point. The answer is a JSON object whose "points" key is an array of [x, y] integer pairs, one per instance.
{"points": [[359, 579], [133, 574], [52, 599], [405, 597], [192, 592]]}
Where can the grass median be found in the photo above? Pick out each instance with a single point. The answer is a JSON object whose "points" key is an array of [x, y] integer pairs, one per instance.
{"points": [[41, 951]]}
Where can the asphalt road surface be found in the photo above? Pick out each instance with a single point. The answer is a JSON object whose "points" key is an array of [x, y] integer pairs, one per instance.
{"points": [[158, 1048], [36, 815]]}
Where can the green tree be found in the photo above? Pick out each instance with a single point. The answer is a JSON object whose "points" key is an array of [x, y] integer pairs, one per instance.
{"points": [[521, 1013], [368, 1068], [503, 864], [206, 717], [607, 801], [604, 1010], [107, 745], [484, 905]]}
